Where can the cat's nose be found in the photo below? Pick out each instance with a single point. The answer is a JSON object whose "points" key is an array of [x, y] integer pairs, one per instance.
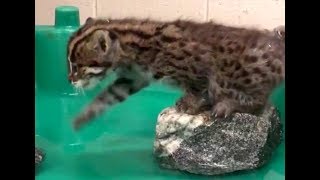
{"points": [[70, 78]]}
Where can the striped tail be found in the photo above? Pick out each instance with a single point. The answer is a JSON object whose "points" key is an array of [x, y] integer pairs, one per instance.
{"points": [[119, 91]]}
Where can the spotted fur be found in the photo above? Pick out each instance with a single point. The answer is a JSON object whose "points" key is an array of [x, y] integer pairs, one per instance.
{"points": [[222, 69]]}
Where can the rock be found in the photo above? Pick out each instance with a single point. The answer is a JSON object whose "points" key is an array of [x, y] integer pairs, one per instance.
{"points": [[210, 147], [39, 156]]}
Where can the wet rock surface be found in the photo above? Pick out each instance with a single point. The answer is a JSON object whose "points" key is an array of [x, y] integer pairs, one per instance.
{"points": [[205, 146]]}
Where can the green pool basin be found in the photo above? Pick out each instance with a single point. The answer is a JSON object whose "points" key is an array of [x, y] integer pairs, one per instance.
{"points": [[119, 144]]}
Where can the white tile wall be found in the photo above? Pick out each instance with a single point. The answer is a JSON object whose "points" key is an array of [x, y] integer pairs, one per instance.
{"points": [[44, 9], [256, 13], [159, 9]]}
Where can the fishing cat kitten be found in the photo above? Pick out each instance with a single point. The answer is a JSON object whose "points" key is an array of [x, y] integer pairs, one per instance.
{"points": [[220, 68]]}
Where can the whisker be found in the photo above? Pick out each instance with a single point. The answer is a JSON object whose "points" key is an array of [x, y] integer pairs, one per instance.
{"points": [[82, 91], [70, 64], [77, 90]]}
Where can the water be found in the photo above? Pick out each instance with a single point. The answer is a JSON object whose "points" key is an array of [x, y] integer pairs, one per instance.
{"points": [[117, 145]]}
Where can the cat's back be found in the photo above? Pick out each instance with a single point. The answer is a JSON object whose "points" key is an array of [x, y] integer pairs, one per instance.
{"points": [[216, 34], [239, 54]]}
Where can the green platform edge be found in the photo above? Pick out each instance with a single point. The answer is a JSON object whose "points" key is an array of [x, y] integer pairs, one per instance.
{"points": [[118, 145]]}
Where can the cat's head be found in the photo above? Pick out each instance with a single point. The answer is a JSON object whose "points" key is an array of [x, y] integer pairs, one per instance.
{"points": [[92, 53]]}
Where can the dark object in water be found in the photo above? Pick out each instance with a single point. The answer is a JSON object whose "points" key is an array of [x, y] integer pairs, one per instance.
{"points": [[39, 156], [211, 147]]}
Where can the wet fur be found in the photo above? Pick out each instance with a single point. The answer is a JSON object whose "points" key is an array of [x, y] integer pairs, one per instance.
{"points": [[222, 69]]}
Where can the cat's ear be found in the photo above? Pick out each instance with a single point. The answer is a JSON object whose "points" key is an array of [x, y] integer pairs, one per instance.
{"points": [[89, 20]]}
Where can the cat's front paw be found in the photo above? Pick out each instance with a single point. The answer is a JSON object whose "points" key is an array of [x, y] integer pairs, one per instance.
{"points": [[85, 117], [79, 122], [222, 110]]}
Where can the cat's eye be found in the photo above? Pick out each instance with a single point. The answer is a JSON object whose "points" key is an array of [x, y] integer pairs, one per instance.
{"points": [[93, 64], [107, 64]]}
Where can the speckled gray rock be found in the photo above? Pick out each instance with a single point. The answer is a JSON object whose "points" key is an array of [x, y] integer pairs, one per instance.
{"points": [[211, 147], [39, 156]]}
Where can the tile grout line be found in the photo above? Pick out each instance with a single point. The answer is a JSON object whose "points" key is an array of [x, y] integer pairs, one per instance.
{"points": [[207, 9], [96, 8]]}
